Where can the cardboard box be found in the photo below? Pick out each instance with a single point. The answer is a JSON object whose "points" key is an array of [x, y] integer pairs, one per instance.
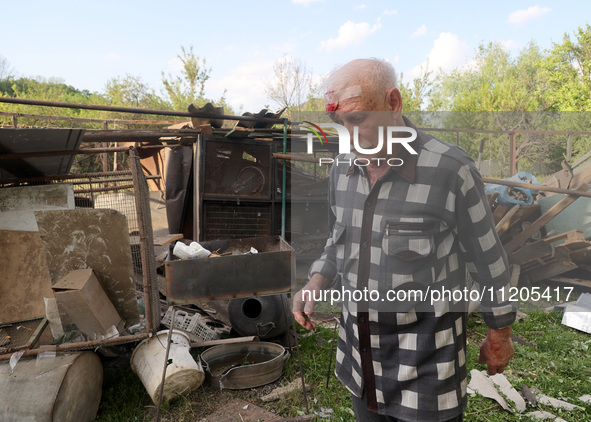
{"points": [[81, 295]]}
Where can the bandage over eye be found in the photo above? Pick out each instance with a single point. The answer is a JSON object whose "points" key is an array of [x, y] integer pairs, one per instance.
{"points": [[333, 97]]}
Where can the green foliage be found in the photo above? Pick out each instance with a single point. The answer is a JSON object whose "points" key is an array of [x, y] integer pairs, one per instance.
{"points": [[415, 96], [517, 89], [52, 89], [129, 91], [567, 70], [189, 87], [494, 82]]}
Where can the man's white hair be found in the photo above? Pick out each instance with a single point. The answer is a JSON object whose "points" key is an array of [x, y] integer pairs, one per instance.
{"points": [[378, 74]]}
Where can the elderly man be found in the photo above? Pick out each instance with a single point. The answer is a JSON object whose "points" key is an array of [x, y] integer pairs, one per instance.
{"points": [[408, 225]]}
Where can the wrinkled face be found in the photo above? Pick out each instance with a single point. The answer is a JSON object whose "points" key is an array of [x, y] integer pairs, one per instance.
{"points": [[366, 114]]}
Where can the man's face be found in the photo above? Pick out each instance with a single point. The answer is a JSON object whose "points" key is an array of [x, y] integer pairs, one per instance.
{"points": [[367, 115]]}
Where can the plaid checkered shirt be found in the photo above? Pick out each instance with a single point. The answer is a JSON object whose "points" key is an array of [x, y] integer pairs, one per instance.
{"points": [[418, 229]]}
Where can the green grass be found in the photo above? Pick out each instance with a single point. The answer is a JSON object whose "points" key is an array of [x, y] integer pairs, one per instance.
{"points": [[559, 365], [124, 397]]}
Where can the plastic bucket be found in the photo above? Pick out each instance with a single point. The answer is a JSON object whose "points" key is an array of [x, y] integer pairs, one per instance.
{"points": [[183, 374]]}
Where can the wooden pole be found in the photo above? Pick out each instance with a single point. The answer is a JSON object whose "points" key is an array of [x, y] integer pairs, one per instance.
{"points": [[104, 155], [513, 158], [542, 188]]}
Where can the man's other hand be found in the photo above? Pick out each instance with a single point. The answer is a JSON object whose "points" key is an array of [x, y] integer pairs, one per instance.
{"points": [[496, 350], [303, 304]]}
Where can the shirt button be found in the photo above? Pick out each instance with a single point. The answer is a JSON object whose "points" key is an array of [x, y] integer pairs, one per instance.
{"points": [[368, 204], [362, 319], [364, 245], [364, 349]]}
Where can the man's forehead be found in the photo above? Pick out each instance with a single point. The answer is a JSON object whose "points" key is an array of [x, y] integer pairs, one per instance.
{"points": [[333, 97]]}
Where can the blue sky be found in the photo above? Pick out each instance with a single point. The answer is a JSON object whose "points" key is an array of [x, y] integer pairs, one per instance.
{"points": [[87, 43]]}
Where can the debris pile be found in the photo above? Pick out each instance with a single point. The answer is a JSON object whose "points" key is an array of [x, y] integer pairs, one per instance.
{"points": [[540, 230], [498, 388]]}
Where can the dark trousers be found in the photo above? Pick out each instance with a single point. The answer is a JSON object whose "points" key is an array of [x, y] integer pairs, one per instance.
{"points": [[364, 415]]}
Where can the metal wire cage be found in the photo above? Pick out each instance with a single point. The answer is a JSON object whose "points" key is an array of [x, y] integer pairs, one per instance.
{"points": [[126, 192]]}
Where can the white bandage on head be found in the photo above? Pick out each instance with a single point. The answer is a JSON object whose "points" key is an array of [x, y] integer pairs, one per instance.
{"points": [[333, 97]]}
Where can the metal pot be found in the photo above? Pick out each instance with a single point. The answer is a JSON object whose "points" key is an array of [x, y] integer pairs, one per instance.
{"points": [[243, 365], [262, 316]]}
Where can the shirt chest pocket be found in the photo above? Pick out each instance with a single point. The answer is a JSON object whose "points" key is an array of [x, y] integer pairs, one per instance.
{"points": [[409, 241]]}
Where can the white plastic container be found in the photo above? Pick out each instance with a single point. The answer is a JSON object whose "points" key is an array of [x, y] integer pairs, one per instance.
{"points": [[183, 374], [194, 250]]}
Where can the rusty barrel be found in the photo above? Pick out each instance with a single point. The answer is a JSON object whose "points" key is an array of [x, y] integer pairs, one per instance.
{"points": [[59, 388]]}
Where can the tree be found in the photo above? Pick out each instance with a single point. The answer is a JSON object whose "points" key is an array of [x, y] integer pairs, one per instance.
{"points": [[291, 85], [499, 92], [6, 71], [567, 69], [130, 91], [415, 96], [567, 86], [190, 86]]}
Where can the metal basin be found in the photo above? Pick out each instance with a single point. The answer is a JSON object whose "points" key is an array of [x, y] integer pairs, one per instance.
{"points": [[244, 365]]}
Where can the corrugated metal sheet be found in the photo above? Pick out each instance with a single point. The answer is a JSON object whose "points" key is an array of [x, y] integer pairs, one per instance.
{"points": [[14, 141]]}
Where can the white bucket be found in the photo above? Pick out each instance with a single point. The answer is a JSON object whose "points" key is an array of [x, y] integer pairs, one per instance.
{"points": [[183, 374]]}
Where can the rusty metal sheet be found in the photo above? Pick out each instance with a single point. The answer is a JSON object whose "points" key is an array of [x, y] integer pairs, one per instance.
{"points": [[13, 141], [241, 274]]}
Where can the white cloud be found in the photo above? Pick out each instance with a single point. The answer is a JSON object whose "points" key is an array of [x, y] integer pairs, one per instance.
{"points": [[112, 57], [390, 12], [350, 33], [360, 6], [175, 64], [524, 15], [305, 2], [448, 52], [421, 30], [245, 84], [510, 45]]}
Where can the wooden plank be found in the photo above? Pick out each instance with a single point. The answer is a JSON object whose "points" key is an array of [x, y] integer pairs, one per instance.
{"points": [[522, 237], [550, 270], [581, 256], [25, 277], [161, 240], [570, 235], [584, 176], [499, 213], [576, 245], [560, 265], [531, 252], [522, 214], [503, 225], [578, 282], [543, 188], [208, 343]]}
